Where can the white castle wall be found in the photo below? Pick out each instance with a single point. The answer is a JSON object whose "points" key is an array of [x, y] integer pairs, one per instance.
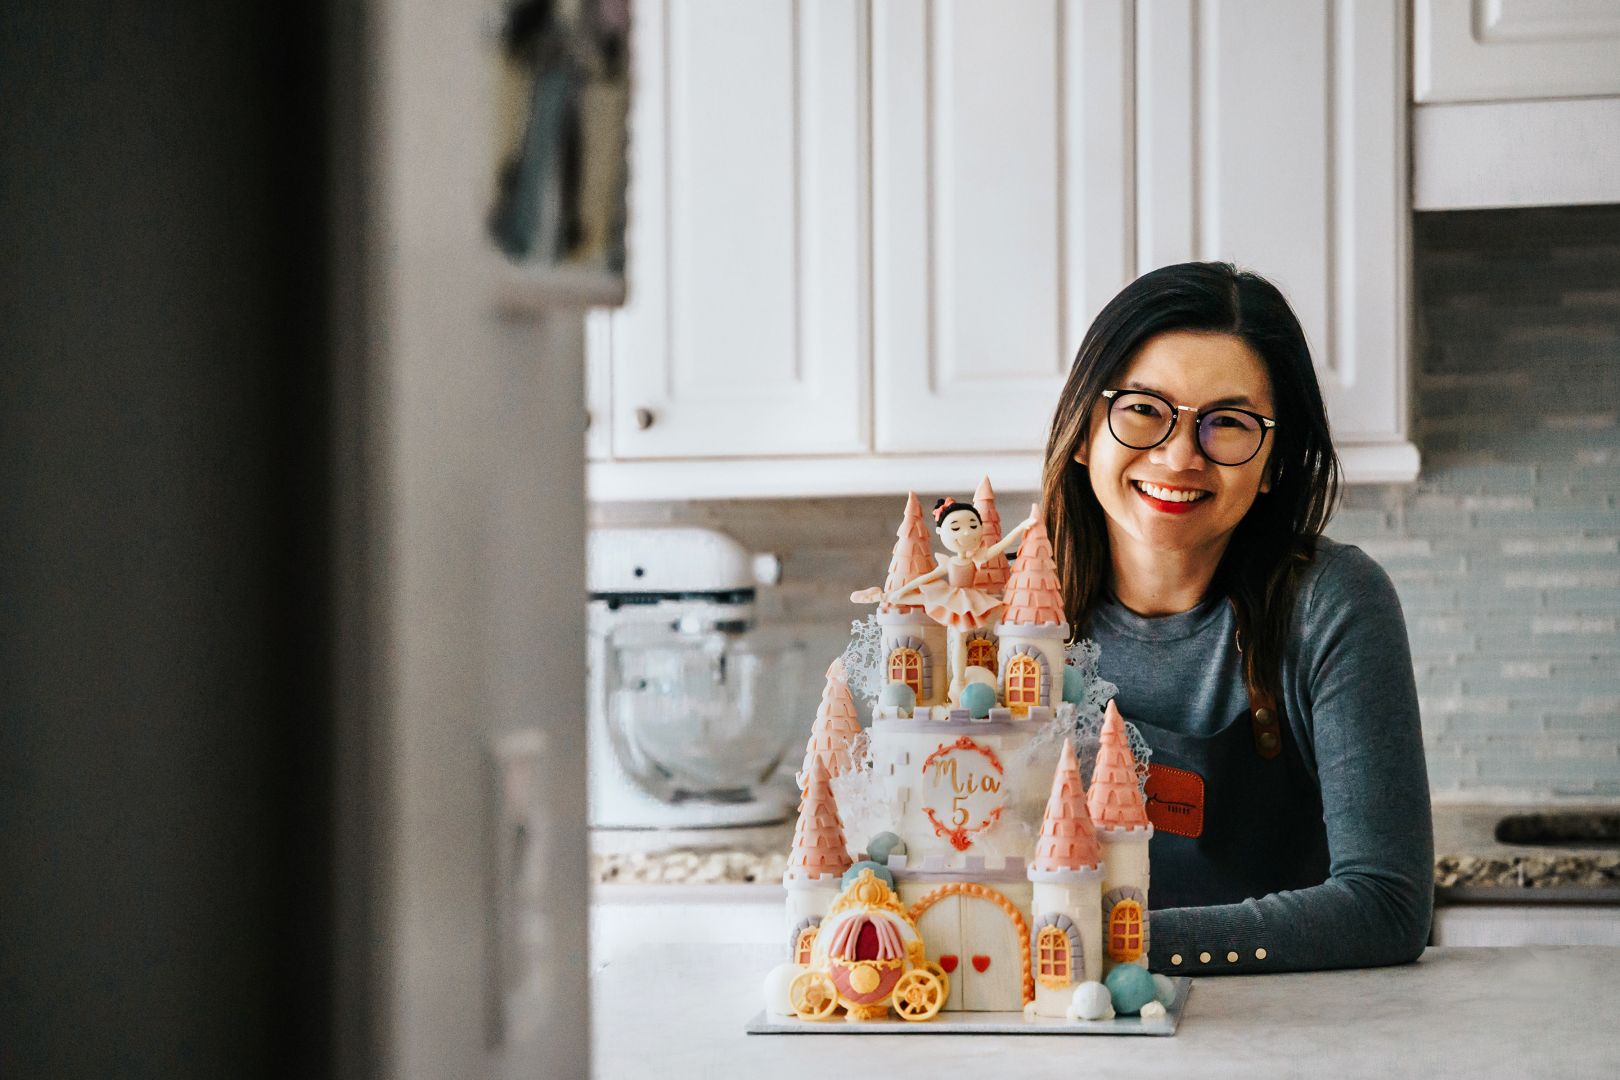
{"points": [[1125, 862], [901, 754], [1080, 900], [914, 626], [807, 898], [1046, 640]]}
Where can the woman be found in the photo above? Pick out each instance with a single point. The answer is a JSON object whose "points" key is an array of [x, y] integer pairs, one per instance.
{"points": [[1188, 478]]}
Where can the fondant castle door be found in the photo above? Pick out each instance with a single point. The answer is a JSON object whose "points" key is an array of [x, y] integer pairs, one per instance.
{"points": [[993, 980], [977, 941], [941, 929]]}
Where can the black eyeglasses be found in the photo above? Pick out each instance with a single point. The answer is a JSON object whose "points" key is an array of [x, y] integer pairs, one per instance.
{"points": [[1141, 420]]}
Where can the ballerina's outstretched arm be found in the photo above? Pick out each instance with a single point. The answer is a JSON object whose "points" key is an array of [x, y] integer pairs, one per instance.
{"points": [[1006, 541], [878, 596]]}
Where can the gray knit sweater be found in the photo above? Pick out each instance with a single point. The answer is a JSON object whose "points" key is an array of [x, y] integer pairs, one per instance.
{"points": [[1351, 701]]}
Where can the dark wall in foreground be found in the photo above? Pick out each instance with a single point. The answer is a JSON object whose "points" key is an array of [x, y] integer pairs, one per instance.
{"points": [[162, 448]]}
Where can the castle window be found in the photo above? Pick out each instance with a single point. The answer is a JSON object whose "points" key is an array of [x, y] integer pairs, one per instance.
{"points": [[905, 665], [1125, 932], [801, 951], [1023, 687], [981, 652], [1052, 957]]}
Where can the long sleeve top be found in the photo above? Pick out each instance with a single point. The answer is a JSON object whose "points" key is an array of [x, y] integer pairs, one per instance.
{"points": [[1350, 698]]}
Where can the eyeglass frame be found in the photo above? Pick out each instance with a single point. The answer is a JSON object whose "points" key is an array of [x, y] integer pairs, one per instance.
{"points": [[1266, 424]]}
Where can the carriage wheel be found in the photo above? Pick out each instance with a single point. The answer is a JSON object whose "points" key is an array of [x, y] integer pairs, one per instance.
{"points": [[919, 995], [940, 973], [813, 996]]}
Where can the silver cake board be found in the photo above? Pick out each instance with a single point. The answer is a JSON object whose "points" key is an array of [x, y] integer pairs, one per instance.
{"points": [[979, 1023]]}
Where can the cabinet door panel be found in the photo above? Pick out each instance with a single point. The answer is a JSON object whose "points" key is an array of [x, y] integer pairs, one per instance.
{"points": [[744, 329], [1514, 50], [1000, 163], [1274, 137]]}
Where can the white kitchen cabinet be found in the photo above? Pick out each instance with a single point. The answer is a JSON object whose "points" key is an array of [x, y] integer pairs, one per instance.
{"points": [[1001, 210], [745, 329], [867, 238], [1272, 133], [1517, 103], [1514, 50]]}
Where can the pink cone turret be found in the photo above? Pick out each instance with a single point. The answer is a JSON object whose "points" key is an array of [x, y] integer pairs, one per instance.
{"points": [[1034, 596], [837, 723], [992, 576], [913, 554], [1068, 841], [818, 838], [1115, 799]]}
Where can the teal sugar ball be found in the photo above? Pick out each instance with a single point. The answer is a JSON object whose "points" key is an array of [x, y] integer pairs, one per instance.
{"points": [[1131, 987], [884, 844], [1074, 686], [880, 871], [898, 695], [978, 699]]}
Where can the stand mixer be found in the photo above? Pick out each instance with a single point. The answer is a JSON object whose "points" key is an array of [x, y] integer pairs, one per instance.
{"points": [[692, 707]]}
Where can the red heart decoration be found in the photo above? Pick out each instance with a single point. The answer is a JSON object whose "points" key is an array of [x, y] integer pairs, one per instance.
{"points": [[980, 963], [948, 962]]}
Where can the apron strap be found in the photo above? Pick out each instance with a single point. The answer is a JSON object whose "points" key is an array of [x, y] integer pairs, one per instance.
{"points": [[1265, 720]]}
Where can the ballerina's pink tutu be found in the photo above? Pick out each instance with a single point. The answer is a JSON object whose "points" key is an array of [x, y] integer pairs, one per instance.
{"points": [[954, 601]]}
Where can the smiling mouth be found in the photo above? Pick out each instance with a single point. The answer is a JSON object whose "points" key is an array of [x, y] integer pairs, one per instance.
{"points": [[1174, 495]]}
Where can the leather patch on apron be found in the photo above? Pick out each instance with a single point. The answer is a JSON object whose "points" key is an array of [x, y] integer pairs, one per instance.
{"points": [[1175, 800]]}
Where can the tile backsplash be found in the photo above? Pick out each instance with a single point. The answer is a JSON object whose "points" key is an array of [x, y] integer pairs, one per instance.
{"points": [[1506, 552]]}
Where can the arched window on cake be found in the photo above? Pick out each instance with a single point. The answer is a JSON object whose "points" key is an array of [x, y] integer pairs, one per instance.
{"points": [[905, 665], [981, 652], [803, 938], [807, 938], [1023, 684], [1052, 957], [1125, 931]]}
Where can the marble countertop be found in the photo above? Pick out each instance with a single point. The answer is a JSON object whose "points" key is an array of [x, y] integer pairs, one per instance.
{"points": [[678, 1011], [1471, 864]]}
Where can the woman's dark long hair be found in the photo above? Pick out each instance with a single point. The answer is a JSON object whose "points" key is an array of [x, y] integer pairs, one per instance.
{"points": [[1261, 568]]}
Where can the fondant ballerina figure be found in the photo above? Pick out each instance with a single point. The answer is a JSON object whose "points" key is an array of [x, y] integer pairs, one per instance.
{"points": [[954, 602]]}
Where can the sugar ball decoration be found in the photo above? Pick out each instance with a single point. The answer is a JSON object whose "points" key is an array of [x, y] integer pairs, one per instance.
{"points": [[883, 845], [879, 871], [978, 699], [777, 983], [1091, 1001], [1131, 987], [897, 695], [1074, 686]]}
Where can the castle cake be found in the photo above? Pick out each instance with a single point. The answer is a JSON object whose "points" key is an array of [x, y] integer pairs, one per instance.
{"points": [[993, 879]]}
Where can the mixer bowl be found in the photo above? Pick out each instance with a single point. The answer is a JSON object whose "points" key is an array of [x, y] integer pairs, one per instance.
{"points": [[706, 715]]}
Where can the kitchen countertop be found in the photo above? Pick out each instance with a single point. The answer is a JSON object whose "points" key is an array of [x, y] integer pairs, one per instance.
{"points": [[1470, 864], [678, 1011]]}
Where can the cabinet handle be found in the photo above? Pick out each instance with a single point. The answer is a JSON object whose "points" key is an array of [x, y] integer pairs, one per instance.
{"points": [[644, 419], [589, 417]]}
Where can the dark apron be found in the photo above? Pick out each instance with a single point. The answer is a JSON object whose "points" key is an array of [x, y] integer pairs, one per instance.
{"points": [[1235, 814]]}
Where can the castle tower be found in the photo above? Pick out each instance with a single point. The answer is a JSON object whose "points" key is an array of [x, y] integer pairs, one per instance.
{"points": [[836, 724], [1066, 909], [1033, 628], [913, 644], [1120, 816], [992, 576], [817, 862]]}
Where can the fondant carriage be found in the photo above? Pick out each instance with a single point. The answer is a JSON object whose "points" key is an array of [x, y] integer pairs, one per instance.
{"points": [[867, 958]]}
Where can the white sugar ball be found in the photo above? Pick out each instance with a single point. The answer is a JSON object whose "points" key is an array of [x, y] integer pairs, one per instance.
{"points": [[1164, 989], [1091, 1001], [1153, 1010], [777, 1001], [976, 674]]}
